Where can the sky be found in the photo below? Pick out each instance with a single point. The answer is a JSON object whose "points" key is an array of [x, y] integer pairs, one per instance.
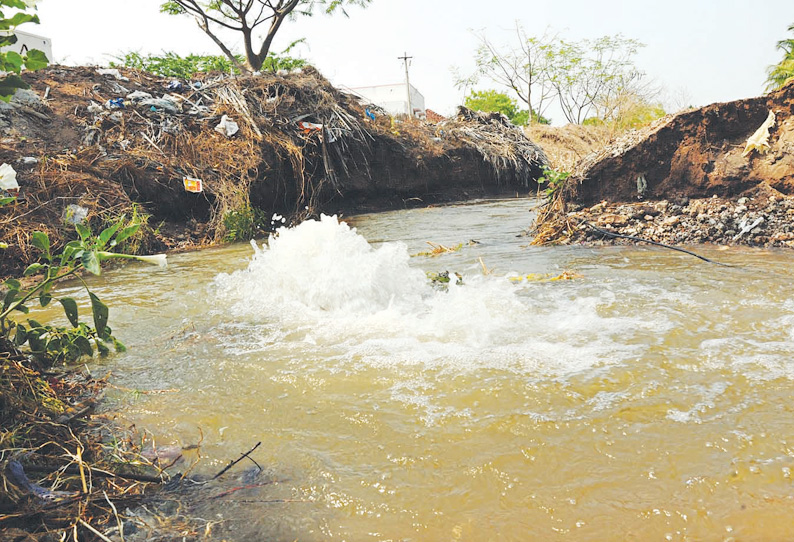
{"points": [[699, 51]]}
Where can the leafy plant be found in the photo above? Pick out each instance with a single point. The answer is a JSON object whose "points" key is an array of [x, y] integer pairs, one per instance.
{"points": [[170, 64], [554, 180], [85, 253], [12, 62], [138, 242], [491, 100], [782, 72], [244, 223]]}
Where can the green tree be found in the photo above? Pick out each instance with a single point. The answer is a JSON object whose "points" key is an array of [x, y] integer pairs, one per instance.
{"points": [[491, 100], [246, 17], [12, 62], [782, 72]]}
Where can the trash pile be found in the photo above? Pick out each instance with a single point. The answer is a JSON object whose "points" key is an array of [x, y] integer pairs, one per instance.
{"points": [[761, 217], [188, 153], [504, 146]]}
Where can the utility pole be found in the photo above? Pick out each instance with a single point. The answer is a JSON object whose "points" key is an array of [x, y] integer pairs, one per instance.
{"points": [[405, 59]]}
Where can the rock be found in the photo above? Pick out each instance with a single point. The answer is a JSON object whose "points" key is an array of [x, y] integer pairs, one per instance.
{"points": [[613, 220]]}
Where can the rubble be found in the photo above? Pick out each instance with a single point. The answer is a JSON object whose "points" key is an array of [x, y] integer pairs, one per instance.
{"points": [[764, 218]]}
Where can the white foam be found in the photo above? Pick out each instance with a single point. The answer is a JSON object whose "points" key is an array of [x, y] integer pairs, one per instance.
{"points": [[363, 305]]}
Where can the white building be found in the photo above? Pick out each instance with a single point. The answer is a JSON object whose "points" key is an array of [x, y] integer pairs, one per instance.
{"points": [[26, 42], [393, 98]]}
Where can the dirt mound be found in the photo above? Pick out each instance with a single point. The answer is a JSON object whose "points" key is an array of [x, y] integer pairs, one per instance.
{"points": [[694, 154], [187, 155], [566, 145], [720, 174]]}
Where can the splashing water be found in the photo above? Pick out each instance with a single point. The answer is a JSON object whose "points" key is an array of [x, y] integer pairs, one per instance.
{"points": [[325, 279]]}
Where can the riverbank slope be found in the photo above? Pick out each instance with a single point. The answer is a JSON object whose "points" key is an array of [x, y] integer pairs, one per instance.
{"points": [[722, 174]]}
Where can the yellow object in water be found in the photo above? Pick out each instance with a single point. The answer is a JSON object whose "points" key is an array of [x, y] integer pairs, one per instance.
{"points": [[546, 277]]}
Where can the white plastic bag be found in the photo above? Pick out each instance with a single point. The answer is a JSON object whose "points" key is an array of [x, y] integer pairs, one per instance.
{"points": [[227, 126], [8, 178]]}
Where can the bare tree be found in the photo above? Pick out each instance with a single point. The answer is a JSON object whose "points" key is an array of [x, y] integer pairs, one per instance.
{"points": [[523, 68], [247, 17], [592, 78], [588, 78]]}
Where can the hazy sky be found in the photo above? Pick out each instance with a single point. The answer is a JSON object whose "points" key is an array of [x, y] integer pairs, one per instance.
{"points": [[701, 51]]}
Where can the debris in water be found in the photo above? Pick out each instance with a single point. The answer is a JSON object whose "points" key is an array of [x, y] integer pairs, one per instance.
{"points": [[546, 277], [443, 278], [438, 248]]}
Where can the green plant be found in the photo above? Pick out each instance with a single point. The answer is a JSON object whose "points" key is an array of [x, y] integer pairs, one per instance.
{"points": [[244, 223], [12, 62], [170, 64], [554, 180], [138, 242], [782, 72], [491, 100], [85, 253]]}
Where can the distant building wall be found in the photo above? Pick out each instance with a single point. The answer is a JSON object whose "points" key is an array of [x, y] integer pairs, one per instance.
{"points": [[393, 98], [26, 42]]}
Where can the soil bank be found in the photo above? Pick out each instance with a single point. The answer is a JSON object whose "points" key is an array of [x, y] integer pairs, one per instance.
{"points": [[688, 178]]}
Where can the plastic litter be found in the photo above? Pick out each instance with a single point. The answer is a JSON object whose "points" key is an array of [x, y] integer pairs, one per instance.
{"points": [[161, 104], [95, 108], [115, 103], [8, 179], [370, 115], [199, 110], [138, 96], [170, 126], [175, 85], [309, 127], [112, 72], [759, 141], [745, 226], [74, 214], [227, 126], [192, 185], [28, 160], [196, 85]]}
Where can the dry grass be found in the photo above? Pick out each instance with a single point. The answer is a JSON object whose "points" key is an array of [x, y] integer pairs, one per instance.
{"points": [[75, 477], [567, 145]]}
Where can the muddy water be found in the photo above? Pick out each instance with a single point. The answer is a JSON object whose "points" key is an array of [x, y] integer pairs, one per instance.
{"points": [[650, 399]]}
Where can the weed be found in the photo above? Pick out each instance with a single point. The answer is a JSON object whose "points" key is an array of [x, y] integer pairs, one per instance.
{"points": [[554, 180], [244, 223]]}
